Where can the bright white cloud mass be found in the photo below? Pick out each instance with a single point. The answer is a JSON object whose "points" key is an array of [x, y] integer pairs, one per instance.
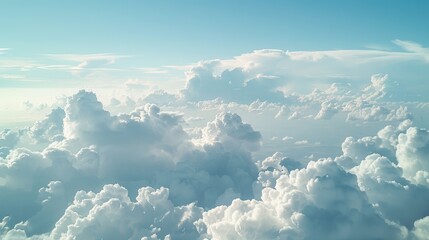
{"points": [[207, 162]]}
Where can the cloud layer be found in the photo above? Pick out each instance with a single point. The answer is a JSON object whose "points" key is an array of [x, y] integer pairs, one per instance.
{"points": [[83, 173], [187, 166]]}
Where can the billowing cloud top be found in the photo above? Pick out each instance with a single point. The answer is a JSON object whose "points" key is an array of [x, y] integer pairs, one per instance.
{"points": [[84, 173], [214, 160]]}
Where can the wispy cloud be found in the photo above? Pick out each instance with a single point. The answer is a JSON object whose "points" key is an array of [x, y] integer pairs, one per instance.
{"points": [[153, 70], [3, 50], [9, 76], [88, 60], [413, 48], [18, 64], [85, 65], [108, 57]]}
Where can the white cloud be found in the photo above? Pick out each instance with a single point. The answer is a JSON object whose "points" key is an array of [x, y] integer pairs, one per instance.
{"points": [[294, 115], [299, 208], [221, 169], [421, 229], [284, 110], [3, 50], [368, 112], [414, 48], [380, 179], [327, 110], [229, 130], [136, 84], [231, 85], [161, 98], [8, 138], [84, 59], [89, 148], [384, 169], [301, 142], [111, 214], [377, 89], [412, 154], [80, 177], [50, 128]]}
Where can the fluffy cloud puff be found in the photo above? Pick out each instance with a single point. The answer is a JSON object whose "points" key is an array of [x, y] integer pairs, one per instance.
{"points": [[413, 155], [8, 140], [149, 146], [381, 179], [110, 214], [385, 144], [319, 201], [368, 104], [145, 147], [231, 85], [388, 174], [207, 186], [221, 167], [50, 128], [129, 146]]}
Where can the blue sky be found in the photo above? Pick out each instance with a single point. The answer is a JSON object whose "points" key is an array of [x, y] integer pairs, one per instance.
{"points": [[181, 32]]}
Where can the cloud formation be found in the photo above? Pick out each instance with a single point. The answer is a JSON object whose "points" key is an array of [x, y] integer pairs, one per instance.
{"points": [[89, 148], [319, 201], [84, 172], [230, 85]]}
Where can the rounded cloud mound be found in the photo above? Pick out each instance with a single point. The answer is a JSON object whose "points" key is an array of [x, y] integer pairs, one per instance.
{"points": [[87, 173], [319, 201]]}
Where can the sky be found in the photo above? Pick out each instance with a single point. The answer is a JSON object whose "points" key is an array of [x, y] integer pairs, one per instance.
{"points": [[151, 34], [214, 120]]}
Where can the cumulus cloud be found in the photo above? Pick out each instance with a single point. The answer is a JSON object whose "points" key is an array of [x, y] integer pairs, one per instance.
{"points": [[221, 168], [231, 85], [385, 144], [412, 153], [327, 110], [299, 206], [83, 172], [377, 89], [111, 214], [261, 106], [250, 79], [302, 71], [89, 148], [380, 178], [384, 168], [229, 130], [88, 165], [146, 139], [367, 112], [421, 229], [8, 140], [161, 98], [49, 129]]}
